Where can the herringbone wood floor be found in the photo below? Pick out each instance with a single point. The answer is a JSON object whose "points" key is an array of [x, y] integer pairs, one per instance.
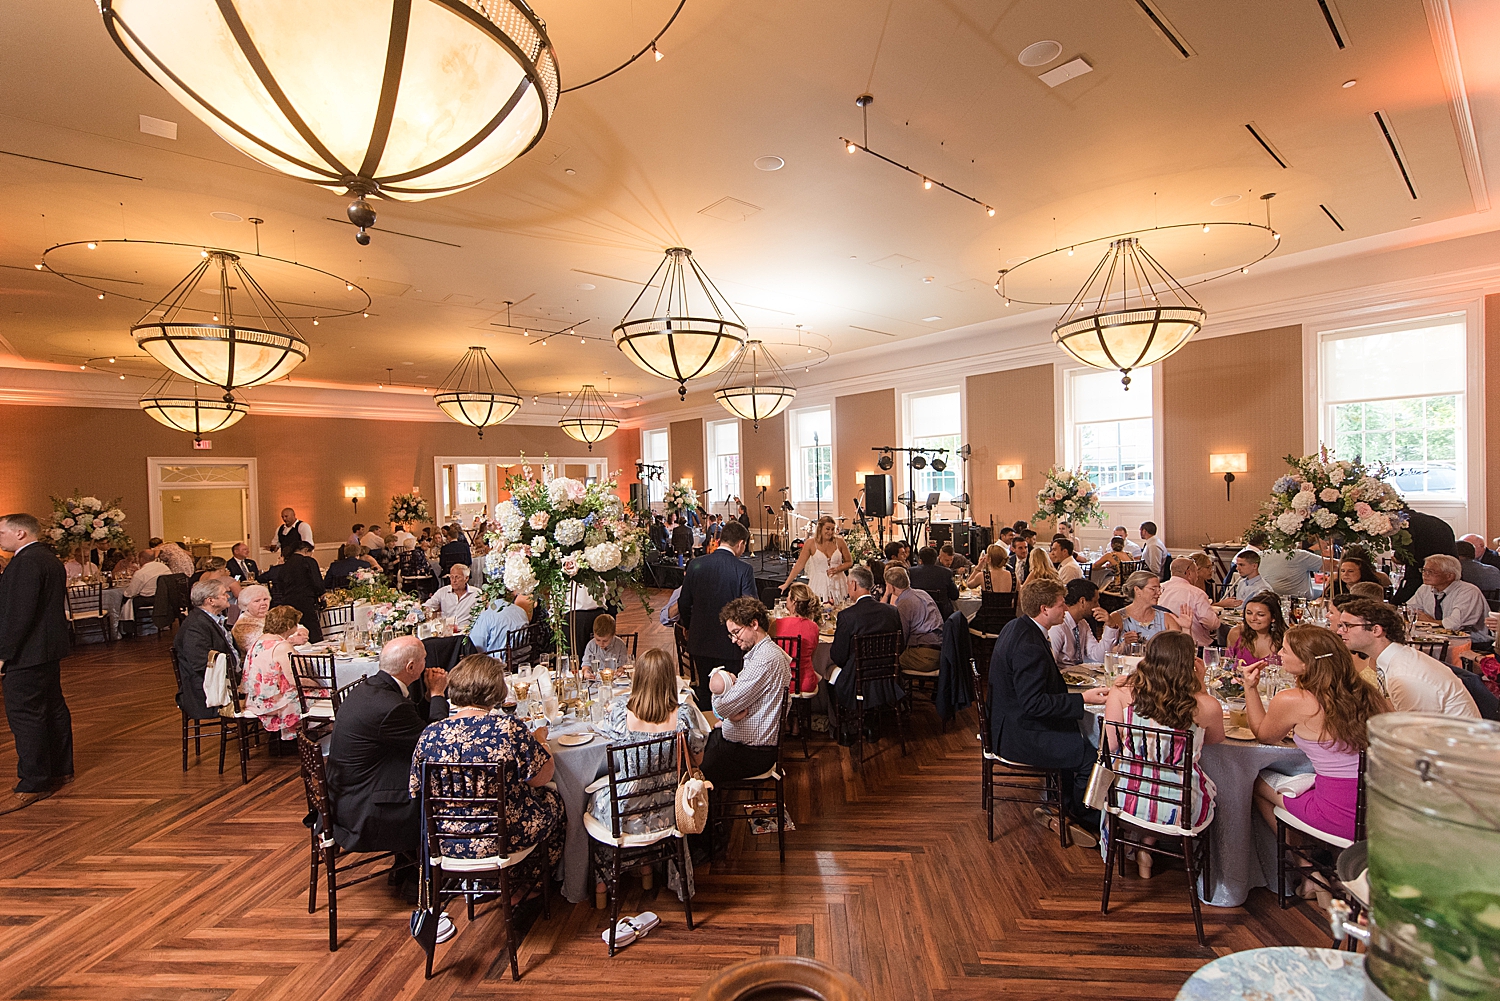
{"points": [[145, 883]]}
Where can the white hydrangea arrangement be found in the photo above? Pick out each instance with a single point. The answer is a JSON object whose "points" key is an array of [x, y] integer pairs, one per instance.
{"points": [[80, 522], [1068, 495], [1346, 501]]}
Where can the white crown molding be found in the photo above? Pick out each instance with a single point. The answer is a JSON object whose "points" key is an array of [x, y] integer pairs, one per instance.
{"points": [[1445, 44]]}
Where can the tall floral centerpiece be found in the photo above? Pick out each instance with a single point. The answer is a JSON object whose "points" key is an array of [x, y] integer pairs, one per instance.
{"points": [[83, 522], [1068, 495], [680, 498], [409, 508], [558, 536], [1346, 501], [862, 546]]}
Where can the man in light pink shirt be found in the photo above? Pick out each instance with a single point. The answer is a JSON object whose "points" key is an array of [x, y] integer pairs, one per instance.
{"points": [[1184, 597]]}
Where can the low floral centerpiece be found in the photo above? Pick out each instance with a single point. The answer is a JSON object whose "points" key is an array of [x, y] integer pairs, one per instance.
{"points": [[555, 537], [1346, 501], [680, 498], [401, 616], [409, 508], [84, 522], [862, 547], [1068, 495], [367, 584]]}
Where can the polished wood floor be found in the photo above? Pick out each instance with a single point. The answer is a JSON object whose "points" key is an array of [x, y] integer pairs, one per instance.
{"points": [[146, 883]]}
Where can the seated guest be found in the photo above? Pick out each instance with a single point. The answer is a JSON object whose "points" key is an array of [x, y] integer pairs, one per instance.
{"points": [[936, 580], [341, 569], [78, 570], [1413, 681], [201, 636], [1366, 589], [1482, 551], [1249, 582], [748, 704], [495, 626], [411, 562], [899, 552], [401, 534], [1007, 537], [455, 549], [455, 599], [255, 602], [1143, 616], [373, 540], [1131, 550], [1184, 597], [1260, 636], [199, 566], [1446, 599], [1040, 566], [1481, 575], [1062, 558], [1153, 551], [241, 567], [355, 531], [1034, 719], [176, 558], [605, 643], [300, 584], [1165, 692], [1073, 641], [866, 615], [1107, 567], [1327, 714], [804, 611], [478, 731], [1355, 567], [270, 687], [143, 581], [921, 625], [1019, 563], [956, 562], [990, 574]]}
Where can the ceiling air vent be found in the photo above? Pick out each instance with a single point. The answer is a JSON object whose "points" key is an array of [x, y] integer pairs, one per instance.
{"points": [[1172, 35], [1335, 23], [1331, 217], [1389, 135], [1265, 144]]}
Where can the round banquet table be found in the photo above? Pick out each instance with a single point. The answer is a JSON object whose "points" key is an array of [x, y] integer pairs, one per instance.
{"points": [[575, 767], [1281, 973]]}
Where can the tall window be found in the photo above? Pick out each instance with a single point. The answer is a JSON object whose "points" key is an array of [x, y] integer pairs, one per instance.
{"points": [[933, 421], [723, 462], [1112, 435], [812, 450], [1396, 395], [654, 452]]}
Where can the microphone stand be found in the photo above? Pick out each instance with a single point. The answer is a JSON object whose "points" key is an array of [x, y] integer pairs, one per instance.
{"points": [[818, 476]]}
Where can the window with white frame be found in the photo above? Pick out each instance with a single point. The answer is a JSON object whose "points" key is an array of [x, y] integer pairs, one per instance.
{"points": [[655, 451], [1395, 394], [723, 462], [812, 455], [1111, 434], [933, 420]]}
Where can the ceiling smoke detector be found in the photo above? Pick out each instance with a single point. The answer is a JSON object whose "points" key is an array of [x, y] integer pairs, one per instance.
{"points": [[1040, 53]]}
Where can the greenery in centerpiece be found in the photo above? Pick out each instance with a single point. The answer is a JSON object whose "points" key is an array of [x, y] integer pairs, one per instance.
{"points": [[364, 585], [1068, 495], [1346, 501], [83, 522], [862, 546]]}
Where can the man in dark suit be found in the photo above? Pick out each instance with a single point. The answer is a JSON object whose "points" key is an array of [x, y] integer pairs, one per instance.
{"points": [[201, 635], [709, 584], [1033, 717], [369, 758], [33, 642], [936, 580], [300, 584], [1430, 536], [241, 567], [866, 615]]}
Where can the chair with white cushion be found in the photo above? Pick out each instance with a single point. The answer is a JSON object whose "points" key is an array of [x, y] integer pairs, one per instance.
{"points": [[801, 701], [85, 610], [1025, 784], [317, 689], [1316, 858]]}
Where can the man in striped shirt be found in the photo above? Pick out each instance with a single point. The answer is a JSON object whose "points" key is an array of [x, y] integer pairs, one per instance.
{"points": [[748, 705]]}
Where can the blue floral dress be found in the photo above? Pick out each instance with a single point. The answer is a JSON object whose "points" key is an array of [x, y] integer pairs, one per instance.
{"points": [[533, 814]]}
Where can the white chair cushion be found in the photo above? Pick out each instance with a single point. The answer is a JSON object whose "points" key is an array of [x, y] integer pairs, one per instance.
{"points": [[319, 710], [803, 695], [774, 772], [86, 615], [600, 831], [489, 863], [1332, 839], [1020, 764], [1170, 830], [992, 756], [919, 674]]}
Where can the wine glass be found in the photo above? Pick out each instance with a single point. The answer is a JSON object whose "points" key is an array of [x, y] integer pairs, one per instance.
{"points": [[523, 708]]}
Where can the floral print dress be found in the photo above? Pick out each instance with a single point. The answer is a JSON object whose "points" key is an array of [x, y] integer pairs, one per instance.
{"points": [[533, 814], [270, 693]]}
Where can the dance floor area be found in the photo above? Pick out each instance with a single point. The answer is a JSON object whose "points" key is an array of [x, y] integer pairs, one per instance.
{"points": [[142, 882]]}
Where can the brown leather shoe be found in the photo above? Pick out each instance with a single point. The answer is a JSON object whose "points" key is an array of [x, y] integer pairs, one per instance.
{"points": [[21, 800]]}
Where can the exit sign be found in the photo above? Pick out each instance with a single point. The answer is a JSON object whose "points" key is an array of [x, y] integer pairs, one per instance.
{"points": [[203, 444]]}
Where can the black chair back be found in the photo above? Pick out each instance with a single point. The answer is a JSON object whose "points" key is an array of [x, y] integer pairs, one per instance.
{"points": [[316, 680], [685, 666], [793, 647], [171, 601], [85, 599], [315, 782], [875, 660], [652, 769], [463, 802], [632, 641], [1152, 763]]}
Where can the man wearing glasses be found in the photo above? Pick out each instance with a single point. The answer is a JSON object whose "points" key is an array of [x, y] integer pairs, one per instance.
{"points": [[1413, 681]]}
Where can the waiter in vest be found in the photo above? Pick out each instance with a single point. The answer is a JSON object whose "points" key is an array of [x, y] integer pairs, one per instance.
{"points": [[292, 533]]}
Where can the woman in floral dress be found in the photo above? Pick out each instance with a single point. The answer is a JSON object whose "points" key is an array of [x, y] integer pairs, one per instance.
{"points": [[270, 687]]}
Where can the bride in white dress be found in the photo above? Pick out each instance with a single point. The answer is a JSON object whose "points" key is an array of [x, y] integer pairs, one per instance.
{"points": [[826, 559]]}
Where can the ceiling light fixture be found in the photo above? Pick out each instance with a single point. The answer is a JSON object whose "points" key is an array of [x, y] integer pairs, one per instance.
{"points": [[864, 101], [180, 408], [588, 418], [468, 394], [656, 52], [755, 387], [274, 81], [689, 331]]}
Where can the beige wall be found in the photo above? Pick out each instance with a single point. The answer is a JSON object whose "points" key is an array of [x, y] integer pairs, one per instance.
{"points": [[1227, 394], [1011, 419], [763, 452], [303, 463], [1492, 412], [860, 423], [685, 439]]}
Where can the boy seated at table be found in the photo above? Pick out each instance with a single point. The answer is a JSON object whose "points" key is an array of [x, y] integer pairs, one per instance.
{"points": [[605, 644]]}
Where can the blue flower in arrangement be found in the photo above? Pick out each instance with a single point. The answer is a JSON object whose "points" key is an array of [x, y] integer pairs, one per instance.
{"points": [[1285, 485]]}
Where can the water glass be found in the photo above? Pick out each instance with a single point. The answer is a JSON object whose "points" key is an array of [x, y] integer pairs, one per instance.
{"points": [[1111, 667]]}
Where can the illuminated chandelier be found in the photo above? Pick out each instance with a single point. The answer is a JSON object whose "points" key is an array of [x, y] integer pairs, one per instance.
{"points": [[588, 418], [183, 410], [400, 99], [690, 330], [222, 351], [468, 394], [755, 387], [1131, 313]]}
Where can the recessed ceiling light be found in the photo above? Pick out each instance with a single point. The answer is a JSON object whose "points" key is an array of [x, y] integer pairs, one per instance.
{"points": [[1040, 53], [570, 171], [928, 280], [1415, 218], [408, 363], [586, 286], [227, 217], [931, 319], [1349, 83], [1223, 200], [769, 163]]}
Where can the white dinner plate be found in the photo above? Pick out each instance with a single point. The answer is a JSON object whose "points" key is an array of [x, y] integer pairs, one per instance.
{"points": [[575, 739]]}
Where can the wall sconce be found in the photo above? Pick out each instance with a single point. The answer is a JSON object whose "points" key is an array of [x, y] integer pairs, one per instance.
{"points": [[1010, 474], [1227, 463], [687, 481], [859, 477], [355, 494], [762, 481]]}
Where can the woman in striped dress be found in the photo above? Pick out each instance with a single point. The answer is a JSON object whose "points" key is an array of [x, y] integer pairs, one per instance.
{"points": [[1165, 692]]}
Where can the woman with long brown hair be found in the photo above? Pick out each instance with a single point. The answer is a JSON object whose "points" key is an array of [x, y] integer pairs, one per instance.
{"points": [[826, 559], [1327, 715]]}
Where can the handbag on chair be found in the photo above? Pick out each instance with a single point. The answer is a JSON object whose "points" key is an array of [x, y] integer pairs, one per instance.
{"points": [[1096, 796], [692, 793]]}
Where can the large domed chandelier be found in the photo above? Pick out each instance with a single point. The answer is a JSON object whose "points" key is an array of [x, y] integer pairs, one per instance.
{"points": [[690, 330], [755, 387], [588, 418], [471, 396], [182, 409], [400, 99]]}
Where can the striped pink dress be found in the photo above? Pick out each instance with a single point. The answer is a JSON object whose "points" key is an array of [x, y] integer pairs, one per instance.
{"points": [[1135, 778]]}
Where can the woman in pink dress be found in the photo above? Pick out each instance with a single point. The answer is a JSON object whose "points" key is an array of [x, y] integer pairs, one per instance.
{"points": [[270, 687], [805, 609]]}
